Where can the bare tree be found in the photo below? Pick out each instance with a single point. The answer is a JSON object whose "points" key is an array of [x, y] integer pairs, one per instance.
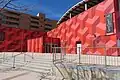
{"points": [[4, 3], [9, 4]]}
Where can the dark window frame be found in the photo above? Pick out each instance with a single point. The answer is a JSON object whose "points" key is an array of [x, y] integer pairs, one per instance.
{"points": [[2, 36]]}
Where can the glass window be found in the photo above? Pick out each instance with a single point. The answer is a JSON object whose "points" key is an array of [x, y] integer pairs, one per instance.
{"points": [[109, 23], [119, 5], [2, 36]]}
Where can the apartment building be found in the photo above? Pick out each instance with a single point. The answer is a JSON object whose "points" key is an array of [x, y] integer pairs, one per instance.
{"points": [[50, 24], [26, 21]]}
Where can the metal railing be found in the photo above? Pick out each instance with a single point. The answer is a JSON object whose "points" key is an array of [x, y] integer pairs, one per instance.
{"points": [[5, 56], [22, 53], [13, 55], [106, 56], [58, 54], [102, 57], [59, 59]]}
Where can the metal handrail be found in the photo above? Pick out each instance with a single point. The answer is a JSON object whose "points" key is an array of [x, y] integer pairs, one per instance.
{"points": [[88, 47], [59, 70], [104, 58], [60, 61], [18, 54], [14, 58], [4, 57]]}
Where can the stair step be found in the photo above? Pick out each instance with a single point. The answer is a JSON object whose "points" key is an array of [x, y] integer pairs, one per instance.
{"points": [[38, 67], [30, 76], [46, 60], [50, 77], [17, 64], [12, 74], [4, 66], [35, 70], [39, 64]]}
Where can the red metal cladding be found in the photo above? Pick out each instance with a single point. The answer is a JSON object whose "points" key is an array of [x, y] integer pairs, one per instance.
{"points": [[35, 45], [51, 40], [16, 39], [28, 45], [84, 26]]}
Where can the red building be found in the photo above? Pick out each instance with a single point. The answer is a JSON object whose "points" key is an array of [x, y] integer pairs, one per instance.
{"points": [[94, 23], [16, 28], [91, 23], [15, 39]]}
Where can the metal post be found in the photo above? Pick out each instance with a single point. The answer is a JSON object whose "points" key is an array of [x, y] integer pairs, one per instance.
{"points": [[14, 62], [32, 55], [3, 56], [51, 47], [61, 56], [117, 59], [63, 49], [79, 55], [105, 57], [85, 6], [65, 52], [53, 54], [70, 15], [24, 57], [12, 54]]}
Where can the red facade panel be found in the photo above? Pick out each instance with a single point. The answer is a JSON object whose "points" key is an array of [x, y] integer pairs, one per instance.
{"points": [[88, 27], [35, 45], [16, 39]]}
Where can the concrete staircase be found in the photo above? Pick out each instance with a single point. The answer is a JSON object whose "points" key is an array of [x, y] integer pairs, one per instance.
{"points": [[40, 67], [26, 68]]}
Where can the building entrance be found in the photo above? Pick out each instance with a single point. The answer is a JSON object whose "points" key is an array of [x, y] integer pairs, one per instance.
{"points": [[78, 45], [49, 47]]}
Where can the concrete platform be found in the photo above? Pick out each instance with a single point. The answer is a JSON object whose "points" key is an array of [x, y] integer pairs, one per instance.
{"points": [[41, 67]]}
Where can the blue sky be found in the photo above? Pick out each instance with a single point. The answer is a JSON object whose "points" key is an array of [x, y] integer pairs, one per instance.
{"points": [[53, 9]]}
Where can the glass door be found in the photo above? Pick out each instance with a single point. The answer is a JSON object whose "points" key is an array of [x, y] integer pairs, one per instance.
{"points": [[47, 48]]}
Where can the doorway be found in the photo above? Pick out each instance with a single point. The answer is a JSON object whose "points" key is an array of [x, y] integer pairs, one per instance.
{"points": [[49, 47], [78, 47]]}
